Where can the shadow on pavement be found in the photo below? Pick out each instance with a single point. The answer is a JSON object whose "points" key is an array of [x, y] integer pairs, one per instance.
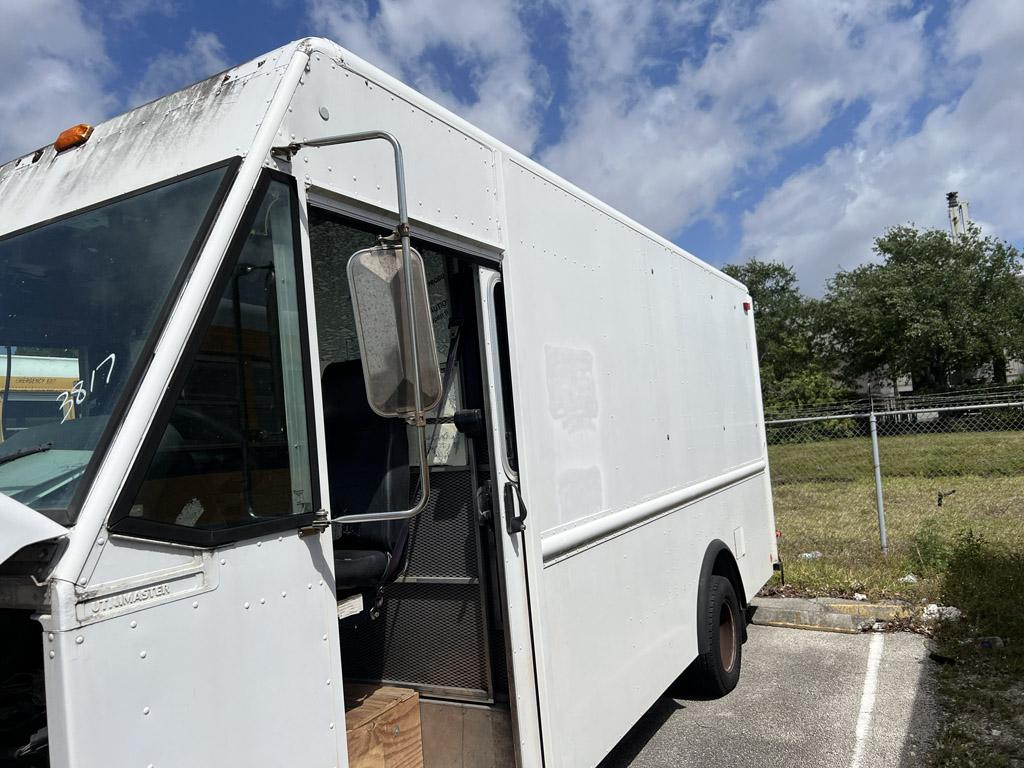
{"points": [[646, 727], [923, 725]]}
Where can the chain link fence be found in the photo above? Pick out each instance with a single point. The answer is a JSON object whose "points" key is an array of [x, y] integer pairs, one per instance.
{"points": [[904, 460]]}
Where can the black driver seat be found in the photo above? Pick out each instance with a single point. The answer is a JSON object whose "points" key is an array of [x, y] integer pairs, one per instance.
{"points": [[368, 469]]}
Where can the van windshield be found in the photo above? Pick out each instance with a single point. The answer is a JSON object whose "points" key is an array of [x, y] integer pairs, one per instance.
{"points": [[79, 298]]}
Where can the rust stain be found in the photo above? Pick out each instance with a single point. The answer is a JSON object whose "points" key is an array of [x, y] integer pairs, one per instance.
{"points": [[157, 134]]}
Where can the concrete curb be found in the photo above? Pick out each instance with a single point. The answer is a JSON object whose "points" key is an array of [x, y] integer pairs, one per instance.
{"points": [[823, 614]]}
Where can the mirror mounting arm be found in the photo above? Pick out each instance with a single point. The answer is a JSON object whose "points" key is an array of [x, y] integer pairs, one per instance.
{"points": [[403, 232]]}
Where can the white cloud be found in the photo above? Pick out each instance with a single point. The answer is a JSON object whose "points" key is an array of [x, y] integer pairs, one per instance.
{"points": [[610, 42], [826, 216], [53, 63], [486, 40], [772, 78], [672, 105], [56, 71], [203, 56]]}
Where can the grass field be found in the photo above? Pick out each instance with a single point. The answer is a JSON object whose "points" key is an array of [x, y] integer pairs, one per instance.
{"points": [[825, 502], [988, 454]]}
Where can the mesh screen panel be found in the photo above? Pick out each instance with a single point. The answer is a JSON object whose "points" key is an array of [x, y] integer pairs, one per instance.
{"points": [[427, 635], [442, 541]]}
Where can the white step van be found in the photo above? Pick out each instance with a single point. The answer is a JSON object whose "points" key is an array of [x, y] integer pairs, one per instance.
{"points": [[350, 392]]}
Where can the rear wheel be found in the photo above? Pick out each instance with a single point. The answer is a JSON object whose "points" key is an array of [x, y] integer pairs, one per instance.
{"points": [[716, 671]]}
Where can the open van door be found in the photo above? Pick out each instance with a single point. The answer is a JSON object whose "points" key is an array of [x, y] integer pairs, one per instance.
{"points": [[202, 628], [508, 523]]}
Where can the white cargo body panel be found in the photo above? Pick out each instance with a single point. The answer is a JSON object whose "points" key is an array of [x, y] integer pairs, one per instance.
{"points": [[641, 440], [450, 171]]}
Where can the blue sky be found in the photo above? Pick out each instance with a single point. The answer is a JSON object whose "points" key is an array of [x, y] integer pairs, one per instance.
{"points": [[794, 130]]}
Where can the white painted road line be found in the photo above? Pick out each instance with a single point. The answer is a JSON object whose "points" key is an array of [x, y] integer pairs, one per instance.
{"points": [[867, 700]]}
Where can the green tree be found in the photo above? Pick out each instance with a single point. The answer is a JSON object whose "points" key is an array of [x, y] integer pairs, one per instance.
{"points": [[936, 307], [795, 368]]}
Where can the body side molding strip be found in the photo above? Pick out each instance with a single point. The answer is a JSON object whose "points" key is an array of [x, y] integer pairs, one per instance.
{"points": [[556, 545]]}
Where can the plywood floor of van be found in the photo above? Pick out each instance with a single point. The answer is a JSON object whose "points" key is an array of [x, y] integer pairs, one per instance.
{"points": [[466, 735]]}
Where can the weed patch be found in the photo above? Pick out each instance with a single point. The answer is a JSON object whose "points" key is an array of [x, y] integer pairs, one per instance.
{"points": [[982, 693]]}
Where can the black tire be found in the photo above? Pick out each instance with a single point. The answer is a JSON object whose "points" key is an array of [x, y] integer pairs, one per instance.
{"points": [[715, 672]]}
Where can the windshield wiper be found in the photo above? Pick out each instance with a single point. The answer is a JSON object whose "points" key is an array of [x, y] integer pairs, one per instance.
{"points": [[25, 452]]}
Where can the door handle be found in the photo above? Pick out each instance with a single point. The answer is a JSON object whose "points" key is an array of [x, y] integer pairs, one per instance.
{"points": [[515, 510], [484, 507]]}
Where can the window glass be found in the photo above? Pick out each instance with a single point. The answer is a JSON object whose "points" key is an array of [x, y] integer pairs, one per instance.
{"points": [[332, 241], [235, 450], [445, 444], [79, 299], [505, 361]]}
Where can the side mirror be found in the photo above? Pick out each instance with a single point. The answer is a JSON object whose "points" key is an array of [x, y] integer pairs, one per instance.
{"points": [[376, 278]]}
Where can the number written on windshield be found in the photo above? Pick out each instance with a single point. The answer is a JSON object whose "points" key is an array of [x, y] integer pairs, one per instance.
{"points": [[66, 401]]}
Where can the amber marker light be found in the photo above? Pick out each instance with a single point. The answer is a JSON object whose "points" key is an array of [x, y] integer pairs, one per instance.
{"points": [[73, 137]]}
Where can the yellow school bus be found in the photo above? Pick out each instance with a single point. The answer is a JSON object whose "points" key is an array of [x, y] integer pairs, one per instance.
{"points": [[39, 387]]}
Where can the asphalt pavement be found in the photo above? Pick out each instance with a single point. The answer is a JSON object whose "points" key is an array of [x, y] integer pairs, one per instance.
{"points": [[805, 698]]}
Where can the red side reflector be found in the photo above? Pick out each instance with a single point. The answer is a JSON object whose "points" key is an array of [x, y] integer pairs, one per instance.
{"points": [[746, 306], [73, 137]]}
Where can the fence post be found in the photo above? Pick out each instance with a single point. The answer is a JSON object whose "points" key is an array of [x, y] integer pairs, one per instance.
{"points": [[883, 535]]}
